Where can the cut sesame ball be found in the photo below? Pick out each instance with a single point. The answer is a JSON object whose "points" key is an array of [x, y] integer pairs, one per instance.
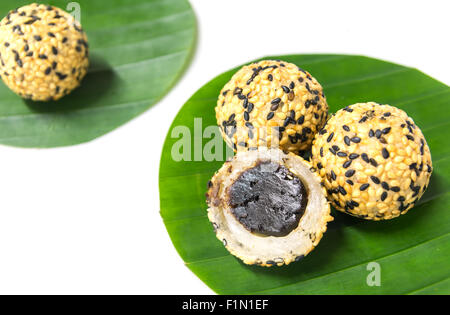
{"points": [[43, 52], [387, 163], [271, 104], [267, 207]]}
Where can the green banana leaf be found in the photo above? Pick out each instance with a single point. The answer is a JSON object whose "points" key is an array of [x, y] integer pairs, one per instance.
{"points": [[413, 251], [138, 50]]}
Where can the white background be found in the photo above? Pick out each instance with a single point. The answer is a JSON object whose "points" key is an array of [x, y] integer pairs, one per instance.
{"points": [[85, 219]]}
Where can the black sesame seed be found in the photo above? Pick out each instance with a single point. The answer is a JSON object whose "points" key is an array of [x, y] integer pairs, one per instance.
{"points": [[292, 115], [353, 156], [385, 185], [347, 109], [332, 151], [354, 203], [249, 125], [48, 70], [373, 162], [42, 56], [349, 181], [301, 120], [274, 107], [383, 196], [362, 120], [349, 173], [409, 137], [385, 131], [292, 85], [321, 151], [341, 154], [348, 205], [346, 128], [395, 188], [38, 38], [365, 157], [347, 163], [347, 140], [371, 133], [330, 137], [270, 115], [378, 133], [335, 148], [54, 50], [387, 114], [322, 131], [356, 139], [285, 89], [246, 116], [375, 179], [364, 187], [270, 77], [342, 190], [385, 153], [276, 101], [307, 87], [401, 199]]}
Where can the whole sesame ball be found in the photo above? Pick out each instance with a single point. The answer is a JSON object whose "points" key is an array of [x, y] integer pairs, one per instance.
{"points": [[271, 104], [44, 52], [374, 161]]}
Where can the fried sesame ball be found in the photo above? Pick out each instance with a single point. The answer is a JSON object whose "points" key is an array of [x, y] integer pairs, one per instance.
{"points": [[267, 207], [272, 104], [43, 52], [374, 161]]}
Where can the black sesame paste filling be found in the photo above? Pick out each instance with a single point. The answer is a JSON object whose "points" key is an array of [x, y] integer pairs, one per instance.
{"points": [[268, 199]]}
